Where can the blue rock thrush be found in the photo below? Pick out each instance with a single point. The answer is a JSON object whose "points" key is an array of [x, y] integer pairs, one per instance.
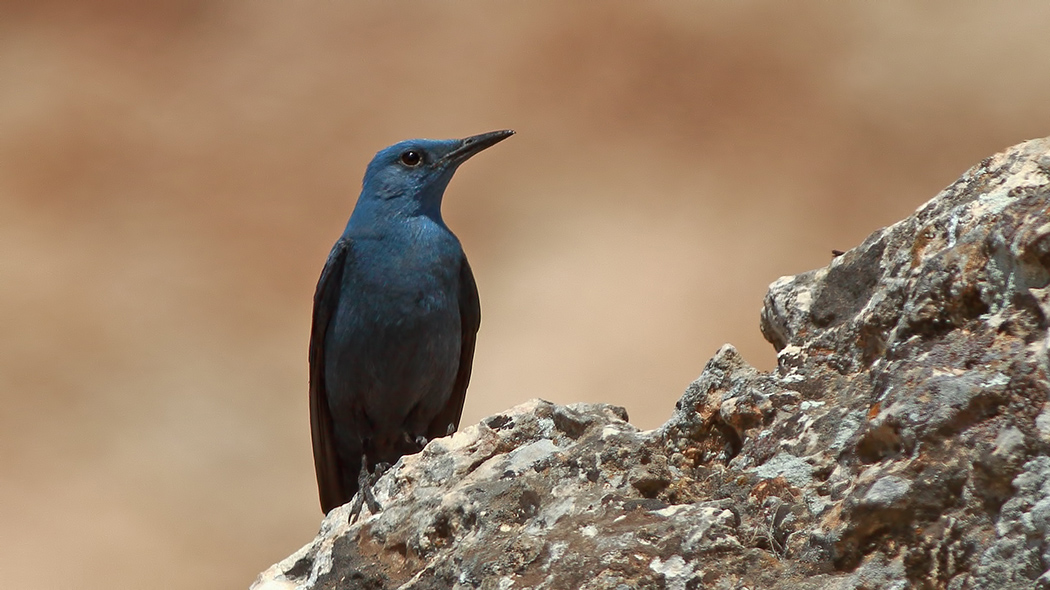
{"points": [[395, 316]]}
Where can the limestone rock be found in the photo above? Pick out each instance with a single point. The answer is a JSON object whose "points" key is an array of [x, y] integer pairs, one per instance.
{"points": [[903, 440]]}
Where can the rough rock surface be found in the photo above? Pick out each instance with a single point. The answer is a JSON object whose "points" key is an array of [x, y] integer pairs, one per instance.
{"points": [[903, 440]]}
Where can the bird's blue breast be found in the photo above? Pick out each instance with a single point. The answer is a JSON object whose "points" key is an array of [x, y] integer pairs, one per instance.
{"points": [[396, 336]]}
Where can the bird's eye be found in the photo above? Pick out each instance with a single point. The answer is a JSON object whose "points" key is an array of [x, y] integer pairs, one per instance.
{"points": [[411, 158]]}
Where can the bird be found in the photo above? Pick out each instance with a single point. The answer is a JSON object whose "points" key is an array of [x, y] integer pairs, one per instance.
{"points": [[395, 320]]}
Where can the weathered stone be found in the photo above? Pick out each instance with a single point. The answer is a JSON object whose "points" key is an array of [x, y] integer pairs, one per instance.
{"points": [[903, 441]]}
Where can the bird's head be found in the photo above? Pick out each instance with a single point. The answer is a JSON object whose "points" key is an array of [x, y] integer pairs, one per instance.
{"points": [[409, 178]]}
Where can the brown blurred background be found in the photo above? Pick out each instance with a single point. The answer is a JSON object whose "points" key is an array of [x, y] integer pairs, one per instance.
{"points": [[173, 173]]}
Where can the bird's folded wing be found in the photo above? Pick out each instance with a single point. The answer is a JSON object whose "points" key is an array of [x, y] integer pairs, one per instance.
{"points": [[470, 321], [326, 463]]}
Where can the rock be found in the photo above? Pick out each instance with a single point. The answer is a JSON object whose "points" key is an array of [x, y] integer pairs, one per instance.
{"points": [[903, 441]]}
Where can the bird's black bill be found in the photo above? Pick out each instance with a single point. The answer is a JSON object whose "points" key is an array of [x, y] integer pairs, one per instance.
{"points": [[475, 143]]}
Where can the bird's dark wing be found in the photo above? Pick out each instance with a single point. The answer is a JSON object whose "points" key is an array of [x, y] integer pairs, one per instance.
{"points": [[326, 298], [470, 320]]}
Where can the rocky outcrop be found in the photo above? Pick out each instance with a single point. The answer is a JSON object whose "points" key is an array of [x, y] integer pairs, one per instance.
{"points": [[903, 440]]}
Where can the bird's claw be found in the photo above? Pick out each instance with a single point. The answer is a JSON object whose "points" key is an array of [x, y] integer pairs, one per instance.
{"points": [[364, 495]]}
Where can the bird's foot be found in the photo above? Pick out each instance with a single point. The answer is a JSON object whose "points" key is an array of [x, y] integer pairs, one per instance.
{"points": [[418, 441], [364, 495]]}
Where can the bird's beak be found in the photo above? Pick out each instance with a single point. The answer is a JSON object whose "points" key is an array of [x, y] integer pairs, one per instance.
{"points": [[474, 144]]}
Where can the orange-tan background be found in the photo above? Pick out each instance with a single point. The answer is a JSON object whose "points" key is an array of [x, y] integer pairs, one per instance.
{"points": [[173, 173]]}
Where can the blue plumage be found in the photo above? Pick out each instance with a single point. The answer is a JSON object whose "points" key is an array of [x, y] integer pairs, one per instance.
{"points": [[395, 316]]}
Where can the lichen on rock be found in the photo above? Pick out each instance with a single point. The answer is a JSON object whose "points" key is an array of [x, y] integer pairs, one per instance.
{"points": [[903, 440]]}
